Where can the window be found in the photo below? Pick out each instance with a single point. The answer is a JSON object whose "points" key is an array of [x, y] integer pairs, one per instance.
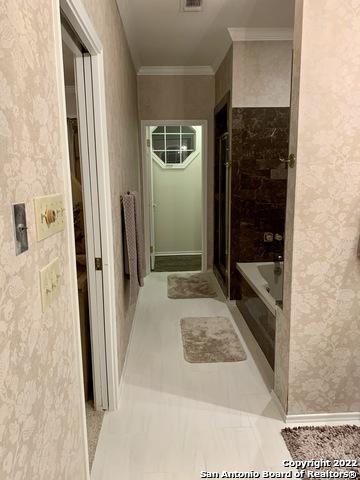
{"points": [[174, 146]]}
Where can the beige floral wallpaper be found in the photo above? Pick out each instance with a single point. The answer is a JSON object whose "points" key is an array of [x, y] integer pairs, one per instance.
{"points": [[40, 420], [324, 306], [123, 139], [261, 74], [40, 403]]}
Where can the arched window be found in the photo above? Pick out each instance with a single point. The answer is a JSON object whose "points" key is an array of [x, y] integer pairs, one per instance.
{"points": [[174, 145]]}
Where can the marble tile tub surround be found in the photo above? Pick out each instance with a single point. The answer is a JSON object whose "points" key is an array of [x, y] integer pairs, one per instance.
{"points": [[260, 136], [259, 319], [319, 361]]}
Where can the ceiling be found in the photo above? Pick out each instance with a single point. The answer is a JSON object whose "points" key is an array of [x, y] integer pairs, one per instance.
{"points": [[160, 35]]}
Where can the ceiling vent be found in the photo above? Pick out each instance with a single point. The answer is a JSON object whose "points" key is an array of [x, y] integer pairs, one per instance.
{"points": [[191, 5]]}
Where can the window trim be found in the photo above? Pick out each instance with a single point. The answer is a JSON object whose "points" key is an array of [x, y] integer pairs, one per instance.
{"points": [[175, 166]]}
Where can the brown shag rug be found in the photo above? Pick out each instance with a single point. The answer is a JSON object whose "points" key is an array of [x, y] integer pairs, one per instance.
{"points": [[94, 419], [196, 285], [210, 340], [324, 443]]}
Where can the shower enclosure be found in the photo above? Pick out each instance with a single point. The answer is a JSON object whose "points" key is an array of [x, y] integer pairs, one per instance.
{"points": [[222, 194]]}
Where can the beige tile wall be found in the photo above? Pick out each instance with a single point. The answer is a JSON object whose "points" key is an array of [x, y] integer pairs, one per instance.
{"points": [[261, 74]]}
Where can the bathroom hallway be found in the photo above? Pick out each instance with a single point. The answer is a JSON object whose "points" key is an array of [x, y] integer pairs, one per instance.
{"points": [[176, 418]]}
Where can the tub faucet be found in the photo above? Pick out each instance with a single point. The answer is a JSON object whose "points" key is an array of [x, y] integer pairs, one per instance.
{"points": [[277, 267]]}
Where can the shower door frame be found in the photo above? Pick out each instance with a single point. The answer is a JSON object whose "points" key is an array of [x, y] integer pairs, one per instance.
{"points": [[225, 101]]}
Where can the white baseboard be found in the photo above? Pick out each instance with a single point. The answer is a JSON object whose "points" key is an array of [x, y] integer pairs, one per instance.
{"points": [[169, 254], [126, 359], [345, 417]]}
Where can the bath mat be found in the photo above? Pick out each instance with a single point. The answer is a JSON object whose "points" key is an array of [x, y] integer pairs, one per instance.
{"points": [[210, 340], [196, 285], [328, 443]]}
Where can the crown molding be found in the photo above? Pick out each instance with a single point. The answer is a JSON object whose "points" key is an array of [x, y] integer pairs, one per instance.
{"points": [[260, 34], [185, 70]]}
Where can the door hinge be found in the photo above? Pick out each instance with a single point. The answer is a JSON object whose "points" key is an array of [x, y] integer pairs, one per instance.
{"points": [[148, 142], [98, 263], [151, 249]]}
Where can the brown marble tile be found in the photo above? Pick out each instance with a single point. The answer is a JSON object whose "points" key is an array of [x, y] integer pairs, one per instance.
{"points": [[260, 137]]}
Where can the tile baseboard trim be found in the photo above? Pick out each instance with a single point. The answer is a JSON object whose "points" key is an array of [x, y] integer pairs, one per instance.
{"points": [[324, 417], [170, 254], [315, 417]]}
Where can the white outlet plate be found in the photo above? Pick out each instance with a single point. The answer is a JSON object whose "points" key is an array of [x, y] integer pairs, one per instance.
{"points": [[50, 282], [43, 205]]}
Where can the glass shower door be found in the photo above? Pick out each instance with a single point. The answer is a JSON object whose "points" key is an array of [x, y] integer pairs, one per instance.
{"points": [[222, 165]]}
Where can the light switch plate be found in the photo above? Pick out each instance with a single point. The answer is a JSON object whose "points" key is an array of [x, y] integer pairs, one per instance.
{"points": [[20, 228], [49, 215], [50, 282]]}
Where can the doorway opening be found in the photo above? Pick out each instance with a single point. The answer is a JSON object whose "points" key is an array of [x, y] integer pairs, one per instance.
{"points": [[89, 214], [174, 195], [86, 224], [222, 175]]}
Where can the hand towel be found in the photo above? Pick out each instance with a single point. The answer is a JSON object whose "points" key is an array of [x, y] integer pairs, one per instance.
{"points": [[140, 245], [131, 258]]}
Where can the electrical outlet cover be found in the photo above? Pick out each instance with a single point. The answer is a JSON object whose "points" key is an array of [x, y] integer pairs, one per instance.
{"points": [[49, 215]]}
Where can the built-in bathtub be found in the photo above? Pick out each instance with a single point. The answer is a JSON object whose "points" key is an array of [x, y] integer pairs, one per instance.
{"points": [[261, 290], [262, 278]]}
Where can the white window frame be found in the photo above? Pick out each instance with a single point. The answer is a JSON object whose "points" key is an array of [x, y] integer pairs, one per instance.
{"points": [[175, 166]]}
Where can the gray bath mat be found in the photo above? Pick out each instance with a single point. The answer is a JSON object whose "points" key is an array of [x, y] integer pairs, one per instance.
{"points": [[210, 340], [328, 443], [195, 285]]}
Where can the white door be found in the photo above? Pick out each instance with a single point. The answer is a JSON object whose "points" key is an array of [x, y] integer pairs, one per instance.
{"points": [[85, 106]]}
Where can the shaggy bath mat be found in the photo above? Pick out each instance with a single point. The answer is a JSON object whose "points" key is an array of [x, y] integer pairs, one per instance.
{"points": [[210, 340], [327, 443], [196, 285]]}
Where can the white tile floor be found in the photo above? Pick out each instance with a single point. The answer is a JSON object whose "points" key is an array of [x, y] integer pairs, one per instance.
{"points": [[176, 418]]}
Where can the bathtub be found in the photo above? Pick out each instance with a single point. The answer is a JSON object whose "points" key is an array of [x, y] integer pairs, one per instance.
{"points": [[264, 281]]}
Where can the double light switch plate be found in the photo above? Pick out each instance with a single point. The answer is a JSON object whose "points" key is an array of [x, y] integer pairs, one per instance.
{"points": [[49, 215]]}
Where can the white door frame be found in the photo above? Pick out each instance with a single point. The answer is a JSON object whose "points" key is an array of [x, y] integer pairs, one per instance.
{"points": [[80, 22], [146, 176]]}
